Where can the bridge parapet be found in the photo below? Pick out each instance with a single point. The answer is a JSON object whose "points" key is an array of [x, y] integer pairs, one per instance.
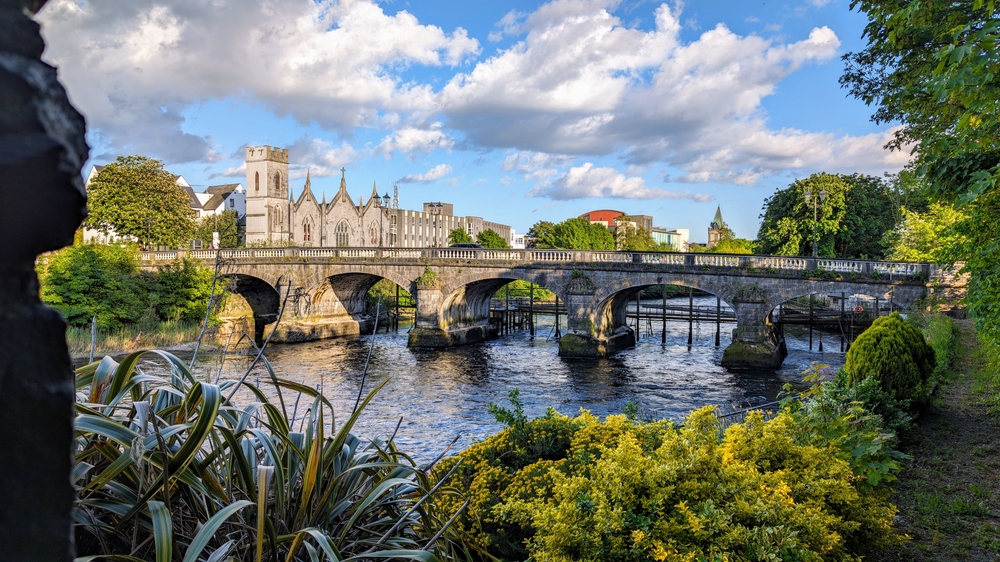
{"points": [[749, 264]]}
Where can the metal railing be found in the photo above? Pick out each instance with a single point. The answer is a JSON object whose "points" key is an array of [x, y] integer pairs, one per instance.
{"points": [[748, 263]]}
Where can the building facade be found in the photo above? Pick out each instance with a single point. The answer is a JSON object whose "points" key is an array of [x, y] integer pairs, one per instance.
{"points": [[275, 217]]}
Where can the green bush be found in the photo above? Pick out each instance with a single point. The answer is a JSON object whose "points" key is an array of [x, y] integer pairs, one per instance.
{"points": [[558, 489], [105, 281], [894, 353]]}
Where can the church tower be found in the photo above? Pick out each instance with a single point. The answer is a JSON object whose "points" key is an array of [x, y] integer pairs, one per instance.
{"points": [[268, 209], [715, 229]]}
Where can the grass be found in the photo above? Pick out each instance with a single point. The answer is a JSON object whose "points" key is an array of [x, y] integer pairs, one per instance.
{"points": [[131, 338], [948, 495]]}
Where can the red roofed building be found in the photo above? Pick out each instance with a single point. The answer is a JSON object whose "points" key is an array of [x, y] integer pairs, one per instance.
{"points": [[604, 216]]}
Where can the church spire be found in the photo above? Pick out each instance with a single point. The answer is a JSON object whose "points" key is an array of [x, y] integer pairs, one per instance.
{"points": [[343, 180], [717, 222], [308, 180], [374, 192]]}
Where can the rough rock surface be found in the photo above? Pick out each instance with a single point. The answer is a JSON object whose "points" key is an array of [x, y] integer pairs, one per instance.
{"points": [[42, 201]]}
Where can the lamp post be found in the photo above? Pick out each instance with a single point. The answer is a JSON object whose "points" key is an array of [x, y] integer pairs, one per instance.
{"points": [[149, 231], [816, 201], [385, 205]]}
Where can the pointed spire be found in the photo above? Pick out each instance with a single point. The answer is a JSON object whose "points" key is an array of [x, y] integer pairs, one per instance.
{"points": [[374, 191], [717, 222], [324, 199], [343, 180], [308, 179]]}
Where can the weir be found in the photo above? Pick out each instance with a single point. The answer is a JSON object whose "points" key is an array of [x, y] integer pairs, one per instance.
{"points": [[452, 289]]}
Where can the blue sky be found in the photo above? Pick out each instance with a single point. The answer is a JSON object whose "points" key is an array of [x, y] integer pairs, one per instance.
{"points": [[513, 111]]}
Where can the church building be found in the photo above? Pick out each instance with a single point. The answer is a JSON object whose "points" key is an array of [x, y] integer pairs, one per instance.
{"points": [[274, 216]]}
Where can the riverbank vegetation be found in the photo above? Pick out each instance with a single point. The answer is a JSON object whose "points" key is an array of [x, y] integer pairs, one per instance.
{"points": [[171, 469], [134, 309]]}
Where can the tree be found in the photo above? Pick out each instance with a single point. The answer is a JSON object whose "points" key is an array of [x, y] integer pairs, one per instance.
{"points": [[927, 236], [934, 66], [225, 223], [850, 223], [490, 239], [581, 234], [134, 197], [459, 236], [631, 237], [543, 234], [733, 245]]}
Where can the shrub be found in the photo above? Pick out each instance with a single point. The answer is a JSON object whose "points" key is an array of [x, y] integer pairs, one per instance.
{"points": [[561, 489], [894, 353], [169, 468]]}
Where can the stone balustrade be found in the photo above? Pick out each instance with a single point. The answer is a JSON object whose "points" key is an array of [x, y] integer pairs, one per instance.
{"points": [[751, 264]]}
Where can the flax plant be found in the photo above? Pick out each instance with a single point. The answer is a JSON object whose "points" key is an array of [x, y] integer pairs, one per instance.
{"points": [[168, 468]]}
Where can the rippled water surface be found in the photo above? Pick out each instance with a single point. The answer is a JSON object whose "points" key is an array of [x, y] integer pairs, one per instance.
{"points": [[441, 394]]}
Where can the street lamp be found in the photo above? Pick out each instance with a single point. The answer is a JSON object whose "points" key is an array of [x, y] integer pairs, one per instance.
{"points": [[821, 199], [149, 231], [385, 205]]}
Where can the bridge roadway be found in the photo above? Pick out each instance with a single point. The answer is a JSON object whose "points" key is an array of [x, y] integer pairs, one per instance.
{"points": [[324, 289]]}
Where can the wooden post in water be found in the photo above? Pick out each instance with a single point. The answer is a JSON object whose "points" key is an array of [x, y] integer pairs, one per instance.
{"points": [[637, 314], [396, 322], [877, 311], [93, 338], [506, 308], [558, 335], [718, 319], [531, 310], [810, 322], [843, 300], [663, 316], [690, 314]]}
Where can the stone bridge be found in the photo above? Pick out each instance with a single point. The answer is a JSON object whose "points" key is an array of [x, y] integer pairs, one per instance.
{"points": [[324, 289]]}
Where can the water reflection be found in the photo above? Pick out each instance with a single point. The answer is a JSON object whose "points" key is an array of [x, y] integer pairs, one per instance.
{"points": [[443, 393]]}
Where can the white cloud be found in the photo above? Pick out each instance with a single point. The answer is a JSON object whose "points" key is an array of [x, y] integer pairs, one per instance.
{"points": [[535, 165], [133, 66], [410, 140], [587, 181], [320, 157], [435, 173]]}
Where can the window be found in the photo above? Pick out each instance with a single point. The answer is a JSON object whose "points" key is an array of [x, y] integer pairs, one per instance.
{"points": [[277, 183], [373, 233], [342, 234], [256, 181], [306, 232], [232, 203]]}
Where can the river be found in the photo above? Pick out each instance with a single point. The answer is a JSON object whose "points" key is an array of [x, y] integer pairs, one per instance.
{"points": [[441, 394]]}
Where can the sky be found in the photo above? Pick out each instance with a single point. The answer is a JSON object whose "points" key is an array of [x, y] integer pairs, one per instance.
{"points": [[515, 111]]}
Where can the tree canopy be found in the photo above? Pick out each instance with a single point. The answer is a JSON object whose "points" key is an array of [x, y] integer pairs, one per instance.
{"points": [[852, 222], [490, 239], [934, 66], [135, 197], [572, 234], [226, 223], [630, 236], [459, 236]]}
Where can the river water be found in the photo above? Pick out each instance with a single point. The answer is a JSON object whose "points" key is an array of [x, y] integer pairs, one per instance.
{"points": [[441, 394]]}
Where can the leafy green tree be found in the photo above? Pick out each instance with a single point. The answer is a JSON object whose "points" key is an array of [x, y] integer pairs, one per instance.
{"points": [[934, 67], [180, 291], [733, 246], [95, 280], [851, 223], [135, 197], [543, 235], [490, 239], [225, 223], [926, 236], [632, 237], [459, 236], [581, 234]]}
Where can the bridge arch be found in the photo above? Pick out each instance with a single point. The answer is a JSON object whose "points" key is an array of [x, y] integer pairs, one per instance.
{"points": [[466, 299], [262, 298], [610, 314]]}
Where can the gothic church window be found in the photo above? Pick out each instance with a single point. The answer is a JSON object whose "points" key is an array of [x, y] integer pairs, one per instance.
{"points": [[342, 234], [306, 232], [277, 183], [256, 181], [373, 232]]}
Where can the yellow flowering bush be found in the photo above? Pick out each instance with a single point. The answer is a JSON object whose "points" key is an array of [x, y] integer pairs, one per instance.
{"points": [[621, 490]]}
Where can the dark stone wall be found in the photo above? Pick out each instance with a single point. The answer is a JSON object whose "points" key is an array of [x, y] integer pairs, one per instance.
{"points": [[42, 201]]}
